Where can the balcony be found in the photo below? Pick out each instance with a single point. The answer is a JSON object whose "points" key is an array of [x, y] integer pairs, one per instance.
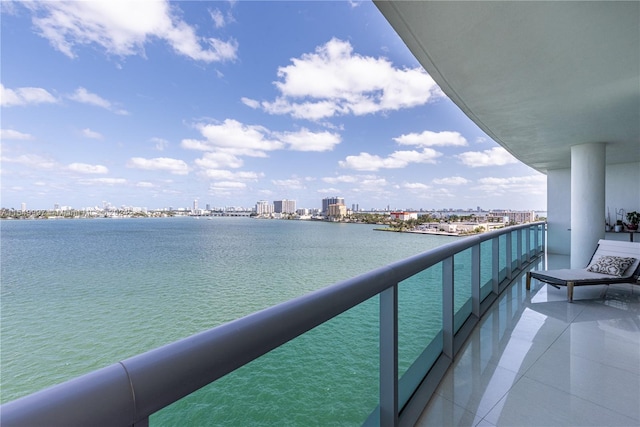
{"points": [[454, 323], [536, 360]]}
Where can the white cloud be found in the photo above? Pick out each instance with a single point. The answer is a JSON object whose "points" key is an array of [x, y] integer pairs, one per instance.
{"points": [[226, 142], [229, 175], [25, 96], [123, 28], [218, 18], [88, 133], [372, 184], [531, 184], [452, 180], [330, 190], [305, 110], [218, 160], [289, 184], [341, 179], [356, 184], [174, 166], [195, 144], [145, 184], [334, 80], [305, 140], [226, 188], [496, 156], [415, 186], [104, 181], [396, 160], [432, 139], [160, 143], [14, 134], [31, 160], [252, 103], [86, 168], [234, 137], [229, 184], [85, 97]]}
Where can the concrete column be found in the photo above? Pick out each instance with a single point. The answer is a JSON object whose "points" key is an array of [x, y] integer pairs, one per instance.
{"points": [[587, 200]]}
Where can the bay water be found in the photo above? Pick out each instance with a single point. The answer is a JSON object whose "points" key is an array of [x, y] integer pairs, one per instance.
{"points": [[78, 295]]}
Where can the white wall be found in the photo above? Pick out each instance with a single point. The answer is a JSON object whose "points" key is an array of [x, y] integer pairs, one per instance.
{"points": [[559, 211], [622, 191], [622, 188]]}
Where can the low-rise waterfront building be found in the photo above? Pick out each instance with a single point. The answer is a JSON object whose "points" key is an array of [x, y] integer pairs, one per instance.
{"points": [[404, 216], [336, 211]]}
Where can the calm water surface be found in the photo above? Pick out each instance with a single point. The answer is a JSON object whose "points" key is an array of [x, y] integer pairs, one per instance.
{"points": [[78, 295]]}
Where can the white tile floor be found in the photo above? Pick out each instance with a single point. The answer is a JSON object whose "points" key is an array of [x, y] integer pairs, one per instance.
{"points": [[536, 360]]}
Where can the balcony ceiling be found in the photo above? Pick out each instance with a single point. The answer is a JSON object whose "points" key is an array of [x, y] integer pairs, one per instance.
{"points": [[537, 77]]}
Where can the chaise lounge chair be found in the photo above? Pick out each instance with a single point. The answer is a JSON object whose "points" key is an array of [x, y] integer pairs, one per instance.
{"points": [[612, 262]]}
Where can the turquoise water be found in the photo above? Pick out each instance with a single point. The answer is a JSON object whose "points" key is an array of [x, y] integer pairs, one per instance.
{"points": [[78, 295]]}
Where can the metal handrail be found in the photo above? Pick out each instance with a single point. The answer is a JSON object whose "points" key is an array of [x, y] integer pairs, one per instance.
{"points": [[128, 392]]}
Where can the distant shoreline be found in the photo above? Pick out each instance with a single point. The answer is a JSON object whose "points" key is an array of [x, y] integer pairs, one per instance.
{"points": [[435, 233]]}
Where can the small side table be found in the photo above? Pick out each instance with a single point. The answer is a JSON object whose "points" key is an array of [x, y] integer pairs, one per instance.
{"points": [[630, 233]]}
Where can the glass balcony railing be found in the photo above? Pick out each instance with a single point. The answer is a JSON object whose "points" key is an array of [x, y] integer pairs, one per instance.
{"points": [[379, 344]]}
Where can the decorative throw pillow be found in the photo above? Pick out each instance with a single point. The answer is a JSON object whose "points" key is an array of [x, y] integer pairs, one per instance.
{"points": [[612, 265]]}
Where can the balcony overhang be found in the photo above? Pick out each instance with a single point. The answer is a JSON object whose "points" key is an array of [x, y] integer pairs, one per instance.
{"points": [[537, 77]]}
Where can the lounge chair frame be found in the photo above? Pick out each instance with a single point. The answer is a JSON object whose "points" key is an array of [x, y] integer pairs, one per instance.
{"points": [[581, 277]]}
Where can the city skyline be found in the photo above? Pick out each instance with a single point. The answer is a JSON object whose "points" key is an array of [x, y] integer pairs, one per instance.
{"points": [[233, 102], [261, 204]]}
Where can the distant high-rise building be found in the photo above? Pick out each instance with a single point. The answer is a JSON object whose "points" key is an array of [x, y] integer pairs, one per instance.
{"points": [[331, 201], [518, 217], [284, 206], [23, 206], [195, 205], [264, 208]]}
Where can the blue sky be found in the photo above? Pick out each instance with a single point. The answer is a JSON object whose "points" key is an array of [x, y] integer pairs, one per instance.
{"points": [[156, 104]]}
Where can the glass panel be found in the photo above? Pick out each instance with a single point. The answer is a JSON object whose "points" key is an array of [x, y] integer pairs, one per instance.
{"points": [[541, 230], [502, 262], [307, 381], [419, 326], [486, 268], [514, 250], [462, 288], [532, 245]]}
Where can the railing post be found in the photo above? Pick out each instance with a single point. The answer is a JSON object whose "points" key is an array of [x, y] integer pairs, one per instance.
{"points": [[447, 307], [528, 241], [475, 280], [519, 251], [389, 357], [495, 265], [509, 255]]}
